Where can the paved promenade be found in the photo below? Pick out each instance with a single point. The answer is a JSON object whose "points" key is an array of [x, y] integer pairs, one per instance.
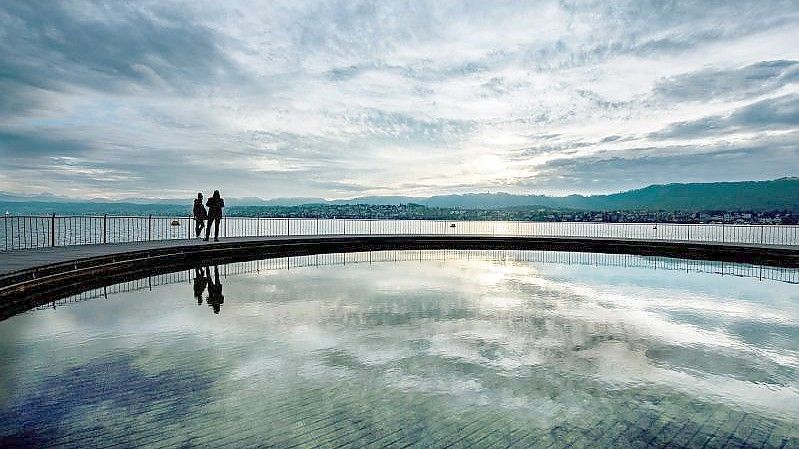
{"points": [[13, 261]]}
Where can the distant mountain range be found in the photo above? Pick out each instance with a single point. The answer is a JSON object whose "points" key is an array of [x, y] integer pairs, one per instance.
{"points": [[744, 195]]}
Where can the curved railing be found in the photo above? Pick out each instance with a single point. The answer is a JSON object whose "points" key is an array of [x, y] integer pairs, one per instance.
{"points": [[25, 232]]}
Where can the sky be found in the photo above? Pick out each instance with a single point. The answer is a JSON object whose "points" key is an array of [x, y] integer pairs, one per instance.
{"points": [[338, 99]]}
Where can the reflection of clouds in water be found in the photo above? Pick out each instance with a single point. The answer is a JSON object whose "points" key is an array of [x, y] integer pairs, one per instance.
{"points": [[260, 367], [666, 299], [449, 384], [522, 336], [561, 316], [641, 312], [557, 316], [621, 366]]}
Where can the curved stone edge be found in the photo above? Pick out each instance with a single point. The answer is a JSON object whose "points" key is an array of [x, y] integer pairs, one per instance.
{"points": [[25, 289]]}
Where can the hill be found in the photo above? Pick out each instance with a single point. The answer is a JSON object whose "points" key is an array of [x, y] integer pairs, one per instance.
{"points": [[744, 195]]}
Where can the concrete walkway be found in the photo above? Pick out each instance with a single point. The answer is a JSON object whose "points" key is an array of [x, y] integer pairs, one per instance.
{"points": [[21, 260], [11, 261]]}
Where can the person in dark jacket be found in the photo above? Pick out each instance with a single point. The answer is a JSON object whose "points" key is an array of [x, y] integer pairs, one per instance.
{"points": [[200, 214], [215, 205]]}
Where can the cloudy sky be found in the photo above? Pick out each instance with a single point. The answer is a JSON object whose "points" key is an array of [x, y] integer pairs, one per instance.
{"points": [[345, 98]]}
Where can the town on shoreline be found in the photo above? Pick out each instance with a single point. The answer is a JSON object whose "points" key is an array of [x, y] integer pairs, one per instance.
{"points": [[415, 212]]}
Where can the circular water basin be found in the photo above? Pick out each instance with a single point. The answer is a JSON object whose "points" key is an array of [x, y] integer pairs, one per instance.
{"points": [[413, 348]]}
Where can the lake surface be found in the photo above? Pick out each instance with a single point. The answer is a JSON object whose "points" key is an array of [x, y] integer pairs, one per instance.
{"points": [[413, 348]]}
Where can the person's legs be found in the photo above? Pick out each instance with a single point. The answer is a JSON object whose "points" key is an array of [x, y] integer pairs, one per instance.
{"points": [[208, 228], [199, 224], [216, 228]]}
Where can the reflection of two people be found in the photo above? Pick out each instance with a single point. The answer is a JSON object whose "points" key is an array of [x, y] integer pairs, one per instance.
{"points": [[201, 280]]}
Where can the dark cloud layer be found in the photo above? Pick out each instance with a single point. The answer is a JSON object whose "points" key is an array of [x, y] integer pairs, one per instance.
{"points": [[15, 146], [767, 159], [780, 113], [112, 46], [739, 83]]}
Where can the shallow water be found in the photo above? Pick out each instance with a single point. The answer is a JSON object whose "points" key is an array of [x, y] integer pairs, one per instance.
{"points": [[432, 349]]}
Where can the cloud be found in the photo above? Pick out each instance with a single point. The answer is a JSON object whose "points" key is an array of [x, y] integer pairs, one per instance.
{"points": [[780, 113], [733, 84], [345, 98], [108, 46], [15, 145], [764, 158]]}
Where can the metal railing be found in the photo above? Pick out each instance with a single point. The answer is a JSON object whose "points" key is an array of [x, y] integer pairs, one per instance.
{"points": [[26, 232]]}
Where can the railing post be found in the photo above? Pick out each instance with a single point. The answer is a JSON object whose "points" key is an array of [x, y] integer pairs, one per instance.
{"points": [[761, 234], [345, 225], [149, 227], [52, 230], [317, 225], [288, 226], [105, 228]]}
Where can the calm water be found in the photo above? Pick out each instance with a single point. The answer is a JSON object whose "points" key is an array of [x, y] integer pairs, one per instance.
{"points": [[432, 349]]}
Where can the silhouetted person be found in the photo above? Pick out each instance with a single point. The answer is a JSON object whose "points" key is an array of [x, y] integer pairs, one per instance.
{"points": [[200, 282], [215, 205], [200, 214], [215, 297]]}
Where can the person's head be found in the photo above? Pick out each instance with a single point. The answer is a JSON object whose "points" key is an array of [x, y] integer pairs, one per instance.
{"points": [[216, 193], [199, 195]]}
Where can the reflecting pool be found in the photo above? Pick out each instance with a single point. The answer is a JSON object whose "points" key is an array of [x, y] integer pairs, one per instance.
{"points": [[413, 348]]}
